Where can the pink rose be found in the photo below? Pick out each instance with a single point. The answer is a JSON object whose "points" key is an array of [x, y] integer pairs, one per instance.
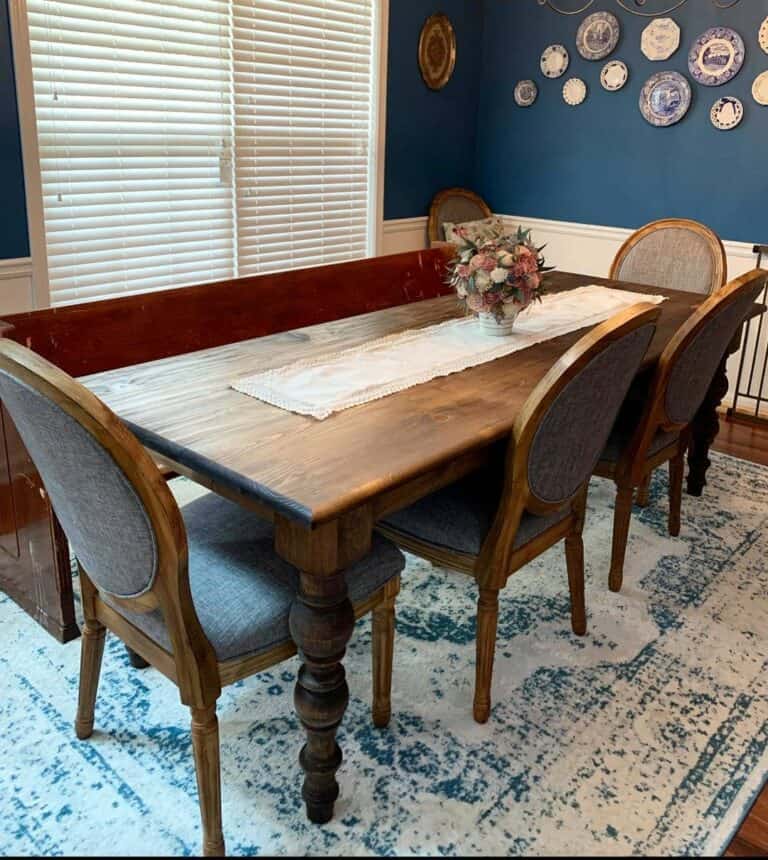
{"points": [[531, 264]]}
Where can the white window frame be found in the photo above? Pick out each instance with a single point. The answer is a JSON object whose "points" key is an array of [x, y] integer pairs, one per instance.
{"points": [[22, 59]]}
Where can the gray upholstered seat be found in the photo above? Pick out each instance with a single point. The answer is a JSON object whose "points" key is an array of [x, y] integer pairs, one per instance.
{"points": [[242, 590], [459, 516]]}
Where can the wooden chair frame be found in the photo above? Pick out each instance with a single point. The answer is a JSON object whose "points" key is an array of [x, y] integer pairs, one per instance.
{"points": [[634, 467], [433, 224], [716, 247], [192, 663], [498, 558]]}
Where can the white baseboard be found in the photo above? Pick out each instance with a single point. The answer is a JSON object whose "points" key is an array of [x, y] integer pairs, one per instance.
{"points": [[16, 294]]}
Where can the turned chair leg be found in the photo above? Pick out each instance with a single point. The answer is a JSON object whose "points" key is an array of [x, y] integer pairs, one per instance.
{"points": [[574, 558], [205, 743], [676, 470], [643, 491], [621, 517], [487, 622], [91, 652], [382, 654]]}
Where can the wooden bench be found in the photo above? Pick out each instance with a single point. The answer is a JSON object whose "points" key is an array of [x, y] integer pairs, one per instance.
{"points": [[95, 336]]}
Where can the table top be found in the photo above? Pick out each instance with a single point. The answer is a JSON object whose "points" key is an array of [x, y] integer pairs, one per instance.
{"points": [[183, 409]]}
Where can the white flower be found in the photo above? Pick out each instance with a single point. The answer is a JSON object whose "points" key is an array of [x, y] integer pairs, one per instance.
{"points": [[499, 275], [482, 280]]}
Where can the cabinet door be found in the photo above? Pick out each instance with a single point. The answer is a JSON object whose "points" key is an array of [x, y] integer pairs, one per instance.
{"points": [[34, 556]]}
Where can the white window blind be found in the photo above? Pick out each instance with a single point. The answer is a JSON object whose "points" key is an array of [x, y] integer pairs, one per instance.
{"points": [[184, 141], [303, 82]]}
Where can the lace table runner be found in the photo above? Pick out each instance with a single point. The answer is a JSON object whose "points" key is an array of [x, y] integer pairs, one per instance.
{"points": [[331, 383]]}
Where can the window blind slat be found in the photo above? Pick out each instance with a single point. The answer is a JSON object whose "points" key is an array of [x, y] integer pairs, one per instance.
{"points": [[190, 140]]}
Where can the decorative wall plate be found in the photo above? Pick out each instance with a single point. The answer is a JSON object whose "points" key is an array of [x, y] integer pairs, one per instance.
{"points": [[760, 89], [661, 38], [574, 91], [716, 56], [614, 75], [727, 113], [525, 93], [437, 51], [763, 37], [665, 98], [554, 61], [598, 35]]}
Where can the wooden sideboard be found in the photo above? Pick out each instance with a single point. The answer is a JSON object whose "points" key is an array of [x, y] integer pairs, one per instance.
{"points": [[97, 336]]}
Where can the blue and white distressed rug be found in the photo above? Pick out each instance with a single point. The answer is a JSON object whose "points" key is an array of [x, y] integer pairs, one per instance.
{"points": [[648, 736]]}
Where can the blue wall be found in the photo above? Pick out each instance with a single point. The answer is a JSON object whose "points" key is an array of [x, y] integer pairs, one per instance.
{"points": [[430, 135], [13, 213], [602, 163]]}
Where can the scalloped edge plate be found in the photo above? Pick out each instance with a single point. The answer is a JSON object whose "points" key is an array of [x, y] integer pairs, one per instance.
{"points": [[574, 91]]}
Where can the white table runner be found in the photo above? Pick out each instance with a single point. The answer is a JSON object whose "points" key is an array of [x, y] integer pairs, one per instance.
{"points": [[330, 383]]}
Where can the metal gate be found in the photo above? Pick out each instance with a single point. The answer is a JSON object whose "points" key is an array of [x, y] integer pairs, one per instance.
{"points": [[751, 397]]}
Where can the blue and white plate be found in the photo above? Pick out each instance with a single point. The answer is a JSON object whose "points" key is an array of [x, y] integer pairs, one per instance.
{"points": [[665, 98], [716, 56], [554, 61], [598, 35], [526, 93], [727, 113], [614, 75]]}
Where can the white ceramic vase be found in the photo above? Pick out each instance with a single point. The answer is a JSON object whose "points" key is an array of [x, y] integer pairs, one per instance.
{"points": [[490, 325]]}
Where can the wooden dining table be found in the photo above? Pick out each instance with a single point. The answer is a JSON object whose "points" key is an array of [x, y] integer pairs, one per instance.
{"points": [[324, 484]]}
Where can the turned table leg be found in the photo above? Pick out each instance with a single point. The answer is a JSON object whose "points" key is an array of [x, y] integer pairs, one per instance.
{"points": [[704, 429], [321, 623]]}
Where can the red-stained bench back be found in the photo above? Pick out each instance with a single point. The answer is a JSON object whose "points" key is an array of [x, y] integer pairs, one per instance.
{"points": [[96, 336]]}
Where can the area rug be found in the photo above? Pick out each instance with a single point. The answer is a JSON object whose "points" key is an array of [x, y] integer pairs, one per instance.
{"points": [[647, 736]]}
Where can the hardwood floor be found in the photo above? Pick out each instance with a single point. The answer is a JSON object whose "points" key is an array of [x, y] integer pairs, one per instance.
{"points": [[749, 443]]}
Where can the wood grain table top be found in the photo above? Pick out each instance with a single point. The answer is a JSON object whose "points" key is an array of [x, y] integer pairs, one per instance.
{"points": [[183, 409]]}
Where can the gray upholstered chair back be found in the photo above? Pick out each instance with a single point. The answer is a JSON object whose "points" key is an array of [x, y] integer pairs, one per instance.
{"points": [[572, 433], [99, 509], [673, 254], [694, 365], [456, 205]]}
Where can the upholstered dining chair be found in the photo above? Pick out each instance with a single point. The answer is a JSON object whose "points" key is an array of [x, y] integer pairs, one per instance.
{"points": [[197, 592], [655, 430], [491, 524], [455, 205], [675, 254]]}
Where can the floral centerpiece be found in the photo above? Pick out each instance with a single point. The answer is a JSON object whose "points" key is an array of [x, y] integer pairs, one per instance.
{"points": [[498, 277]]}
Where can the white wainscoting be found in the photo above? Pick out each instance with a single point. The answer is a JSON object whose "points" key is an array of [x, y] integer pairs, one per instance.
{"points": [[16, 293], [573, 247]]}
